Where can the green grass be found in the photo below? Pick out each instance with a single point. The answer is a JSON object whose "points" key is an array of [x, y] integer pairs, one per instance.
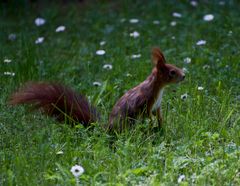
{"points": [[201, 137]]}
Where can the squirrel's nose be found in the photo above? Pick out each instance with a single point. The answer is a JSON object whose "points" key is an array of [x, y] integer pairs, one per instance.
{"points": [[183, 77]]}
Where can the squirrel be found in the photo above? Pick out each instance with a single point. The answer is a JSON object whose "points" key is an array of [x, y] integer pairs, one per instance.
{"points": [[144, 100]]}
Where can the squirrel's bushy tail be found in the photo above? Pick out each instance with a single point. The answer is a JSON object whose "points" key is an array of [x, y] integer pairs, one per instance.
{"points": [[56, 100]]}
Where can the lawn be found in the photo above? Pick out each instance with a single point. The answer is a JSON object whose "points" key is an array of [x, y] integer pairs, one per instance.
{"points": [[200, 141]]}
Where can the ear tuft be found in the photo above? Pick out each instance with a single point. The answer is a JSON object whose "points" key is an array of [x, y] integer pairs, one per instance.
{"points": [[158, 57]]}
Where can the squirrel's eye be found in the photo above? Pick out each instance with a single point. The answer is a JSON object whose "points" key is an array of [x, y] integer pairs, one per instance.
{"points": [[172, 73]]}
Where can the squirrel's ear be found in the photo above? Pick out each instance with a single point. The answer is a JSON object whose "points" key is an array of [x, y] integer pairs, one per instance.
{"points": [[158, 58]]}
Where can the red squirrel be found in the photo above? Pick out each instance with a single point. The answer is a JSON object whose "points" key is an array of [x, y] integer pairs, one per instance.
{"points": [[141, 101]]}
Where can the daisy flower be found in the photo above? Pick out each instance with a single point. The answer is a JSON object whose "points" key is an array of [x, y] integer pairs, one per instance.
{"points": [[77, 170], [200, 88], [12, 37], [135, 56], [7, 61], [206, 67], [107, 66], [134, 34], [176, 14], [129, 75], [39, 40], [184, 96], [100, 52], [185, 70], [187, 60], [194, 3], [133, 21], [208, 17], [9, 73], [97, 84], [181, 178], [173, 23], [40, 21], [102, 43], [201, 42], [60, 29]]}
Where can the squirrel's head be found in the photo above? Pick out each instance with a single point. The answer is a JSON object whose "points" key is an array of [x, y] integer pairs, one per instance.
{"points": [[168, 73]]}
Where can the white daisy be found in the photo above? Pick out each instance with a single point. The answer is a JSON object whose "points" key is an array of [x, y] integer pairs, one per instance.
{"points": [[156, 22], [184, 96], [187, 60], [134, 34], [40, 21], [208, 17], [135, 56], [7, 61], [194, 3], [173, 37], [77, 170], [97, 84], [173, 23], [201, 42], [185, 70], [12, 37], [39, 40], [9, 73], [206, 67], [60, 28], [176, 14], [133, 20], [200, 88], [102, 43], [100, 52], [107, 66], [181, 178]]}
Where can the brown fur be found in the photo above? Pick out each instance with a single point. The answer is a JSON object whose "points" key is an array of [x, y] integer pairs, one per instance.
{"points": [[56, 100], [59, 101], [140, 99]]}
